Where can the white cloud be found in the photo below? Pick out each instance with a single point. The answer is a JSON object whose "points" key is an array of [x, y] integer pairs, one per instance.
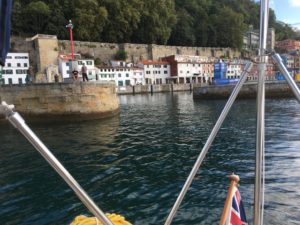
{"points": [[295, 3]]}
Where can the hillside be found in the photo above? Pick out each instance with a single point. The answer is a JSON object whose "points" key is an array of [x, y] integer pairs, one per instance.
{"points": [[206, 23]]}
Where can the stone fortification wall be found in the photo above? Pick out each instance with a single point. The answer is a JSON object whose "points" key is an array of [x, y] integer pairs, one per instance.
{"points": [[75, 101], [103, 51], [44, 51], [137, 52]]}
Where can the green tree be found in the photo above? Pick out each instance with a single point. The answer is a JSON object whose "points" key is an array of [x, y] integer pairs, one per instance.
{"points": [[36, 16], [57, 21], [89, 20], [183, 32], [17, 22], [123, 18], [157, 20], [229, 28]]}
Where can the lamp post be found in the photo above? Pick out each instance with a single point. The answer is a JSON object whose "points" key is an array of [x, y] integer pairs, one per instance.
{"points": [[70, 26]]}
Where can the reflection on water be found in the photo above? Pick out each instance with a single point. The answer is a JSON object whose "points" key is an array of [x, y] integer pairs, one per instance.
{"points": [[135, 164]]}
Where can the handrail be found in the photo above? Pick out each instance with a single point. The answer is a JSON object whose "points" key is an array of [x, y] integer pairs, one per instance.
{"points": [[17, 121]]}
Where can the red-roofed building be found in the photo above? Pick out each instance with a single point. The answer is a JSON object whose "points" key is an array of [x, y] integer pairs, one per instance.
{"points": [[288, 45], [190, 69], [156, 72]]}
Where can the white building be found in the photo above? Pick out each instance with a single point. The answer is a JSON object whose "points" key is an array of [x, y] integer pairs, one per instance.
{"points": [[234, 70], [64, 66], [122, 76], [15, 69], [190, 69], [156, 72]]}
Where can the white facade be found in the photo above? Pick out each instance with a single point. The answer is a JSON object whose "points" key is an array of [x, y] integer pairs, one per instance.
{"points": [[122, 76], [190, 69], [156, 72], [234, 70], [64, 66], [15, 69]]}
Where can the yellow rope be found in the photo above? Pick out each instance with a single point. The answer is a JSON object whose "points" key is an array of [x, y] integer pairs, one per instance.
{"points": [[115, 219]]}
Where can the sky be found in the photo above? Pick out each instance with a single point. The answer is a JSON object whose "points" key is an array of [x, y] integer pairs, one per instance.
{"points": [[287, 11]]}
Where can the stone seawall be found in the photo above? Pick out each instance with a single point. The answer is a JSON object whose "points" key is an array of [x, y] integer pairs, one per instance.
{"points": [[274, 89], [76, 101]]}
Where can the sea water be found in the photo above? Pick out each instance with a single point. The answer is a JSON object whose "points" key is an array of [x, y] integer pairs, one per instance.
{"points": [[135, 164]]}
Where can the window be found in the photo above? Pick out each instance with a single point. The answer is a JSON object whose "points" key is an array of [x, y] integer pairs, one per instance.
{"points": [[19, 71], [25, 64], [20, 80], [89, 62], [21, 57], [120, 83], [127, 75], [9, 81], [165, 72], [165, 66], [127, 82], [8, 71], [8, 64], [79, 62], [9, 57], [119, 75], [68, 71], [18, 64]]}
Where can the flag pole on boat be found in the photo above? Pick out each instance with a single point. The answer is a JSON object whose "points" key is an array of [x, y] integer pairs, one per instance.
{"points": [[17, 121], [234, 179]]}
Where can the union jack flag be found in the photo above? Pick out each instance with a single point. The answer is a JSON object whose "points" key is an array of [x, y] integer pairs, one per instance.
{"points": [[236, 215]]}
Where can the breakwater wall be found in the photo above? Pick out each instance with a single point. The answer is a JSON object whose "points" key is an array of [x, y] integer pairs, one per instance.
{"points": [[274, 89], [67, 101], [148, 89]]}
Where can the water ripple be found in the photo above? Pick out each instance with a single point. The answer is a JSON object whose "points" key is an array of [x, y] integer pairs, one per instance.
{"points": [[135, 164]]}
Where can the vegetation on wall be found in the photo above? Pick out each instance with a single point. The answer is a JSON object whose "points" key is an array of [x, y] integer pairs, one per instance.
{"points": [[211, 23]]}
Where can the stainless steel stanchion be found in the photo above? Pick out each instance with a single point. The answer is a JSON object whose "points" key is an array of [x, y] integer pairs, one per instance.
{"points": [[15, 119], [260, 124], [209, 141]]}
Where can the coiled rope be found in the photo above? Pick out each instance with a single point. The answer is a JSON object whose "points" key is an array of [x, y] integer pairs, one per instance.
{"points": [[115, 219]]}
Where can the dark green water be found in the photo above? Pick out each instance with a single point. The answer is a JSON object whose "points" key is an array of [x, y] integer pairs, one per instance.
{"points": [[136, 164]]}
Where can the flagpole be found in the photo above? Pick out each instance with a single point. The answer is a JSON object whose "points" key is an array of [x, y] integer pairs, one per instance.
{"points": [[234, 179]]}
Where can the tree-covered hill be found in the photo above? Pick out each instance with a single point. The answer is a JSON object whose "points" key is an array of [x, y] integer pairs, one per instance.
{"points": [[214, 23]]}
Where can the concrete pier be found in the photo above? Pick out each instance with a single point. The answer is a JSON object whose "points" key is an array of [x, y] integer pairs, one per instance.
{"points": [[274, 89], [67, 101]]}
